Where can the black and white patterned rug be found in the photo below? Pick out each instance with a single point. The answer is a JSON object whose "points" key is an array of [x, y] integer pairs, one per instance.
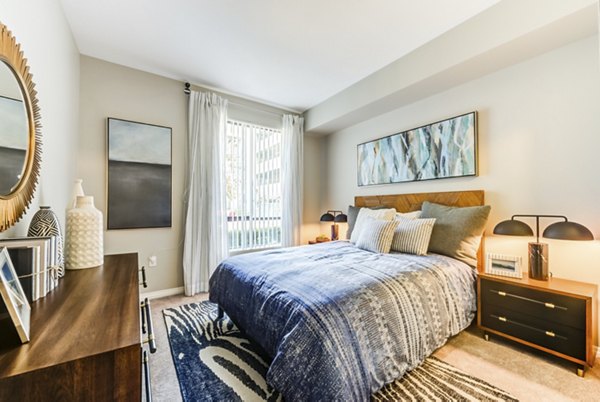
{"points": [[215, 362]]}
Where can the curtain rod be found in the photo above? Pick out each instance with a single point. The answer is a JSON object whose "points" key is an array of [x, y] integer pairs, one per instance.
{"points": [[187, 91]]}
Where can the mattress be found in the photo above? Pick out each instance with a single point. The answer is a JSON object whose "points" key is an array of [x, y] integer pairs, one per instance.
{"points": [[341, 322]]}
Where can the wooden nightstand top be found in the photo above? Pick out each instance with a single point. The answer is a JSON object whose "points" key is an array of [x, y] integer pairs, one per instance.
{"points": [[318, 242], [554, 285]]}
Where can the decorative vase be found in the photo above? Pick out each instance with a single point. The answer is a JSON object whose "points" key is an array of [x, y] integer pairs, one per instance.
{"points": [[77, 192], [84, 247], [45, 223]]}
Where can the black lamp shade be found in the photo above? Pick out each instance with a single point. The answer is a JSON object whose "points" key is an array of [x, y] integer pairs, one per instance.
{"points": [[341, 218], [567, 231], [538, 252], [513, 227], [327, 217]]}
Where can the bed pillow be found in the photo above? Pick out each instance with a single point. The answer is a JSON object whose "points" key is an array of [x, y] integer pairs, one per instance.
{"points": [[376, 235], [387, 214], [408, 215], [352, 215], [412, 235], [457, 231]]}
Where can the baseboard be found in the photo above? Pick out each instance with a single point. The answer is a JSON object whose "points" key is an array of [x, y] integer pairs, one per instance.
{"points": [[157, 294]]}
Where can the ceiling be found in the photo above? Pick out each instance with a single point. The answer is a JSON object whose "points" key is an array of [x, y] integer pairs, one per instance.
{"points": [[291, 54]]}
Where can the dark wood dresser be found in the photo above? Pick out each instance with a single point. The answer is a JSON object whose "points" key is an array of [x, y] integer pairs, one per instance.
{"points": [[85, 340], [557, 316]]}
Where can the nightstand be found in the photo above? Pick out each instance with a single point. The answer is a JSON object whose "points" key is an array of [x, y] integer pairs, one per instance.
{"points": [[317, 242], [557, 316]]}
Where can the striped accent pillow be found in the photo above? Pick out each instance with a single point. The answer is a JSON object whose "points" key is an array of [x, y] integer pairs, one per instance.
{"points": [[377, 235], [412, 235]]}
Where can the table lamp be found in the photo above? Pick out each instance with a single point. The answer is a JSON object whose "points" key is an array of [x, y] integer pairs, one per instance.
{"points": [[538, 252], [335, 217]]}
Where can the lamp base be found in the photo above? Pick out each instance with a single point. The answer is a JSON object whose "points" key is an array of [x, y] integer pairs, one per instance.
{"points": [[538, 261], [334, 231]]}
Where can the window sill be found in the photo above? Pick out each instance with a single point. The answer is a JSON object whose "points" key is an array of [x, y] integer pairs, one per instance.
{"points": [[251, 250]]}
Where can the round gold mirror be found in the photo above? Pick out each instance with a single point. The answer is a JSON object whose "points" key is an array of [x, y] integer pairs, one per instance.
{"points": [[20, 147]]}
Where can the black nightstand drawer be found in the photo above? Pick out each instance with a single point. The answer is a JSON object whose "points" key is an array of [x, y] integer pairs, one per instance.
{"points": [[561, 338], [546, 306]]}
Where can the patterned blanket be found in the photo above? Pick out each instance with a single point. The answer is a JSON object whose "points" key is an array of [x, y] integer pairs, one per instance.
{"points": [[341, 322]]}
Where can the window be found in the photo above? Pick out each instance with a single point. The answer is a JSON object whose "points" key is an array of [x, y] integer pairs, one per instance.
{"points": [[253, 186]]}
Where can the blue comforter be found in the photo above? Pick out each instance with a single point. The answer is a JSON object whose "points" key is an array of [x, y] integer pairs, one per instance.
{"points": [[341, 322]]}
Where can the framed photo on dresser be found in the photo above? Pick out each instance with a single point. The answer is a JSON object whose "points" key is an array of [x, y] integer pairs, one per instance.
{"points": [[13, 296]]}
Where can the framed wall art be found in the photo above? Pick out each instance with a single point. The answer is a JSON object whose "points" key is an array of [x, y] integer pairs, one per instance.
{"points": [[503, 265], [139, 175], [444, 149], [13, 296]]}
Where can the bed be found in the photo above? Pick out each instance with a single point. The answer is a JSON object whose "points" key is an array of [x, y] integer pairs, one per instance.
{"points": [[340, 322]]}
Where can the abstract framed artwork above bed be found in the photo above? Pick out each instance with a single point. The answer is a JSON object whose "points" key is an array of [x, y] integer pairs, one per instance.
{"points": [[440, 150]]}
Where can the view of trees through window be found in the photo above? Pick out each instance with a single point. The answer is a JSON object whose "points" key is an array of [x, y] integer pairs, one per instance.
{"points": [[253, 186]]}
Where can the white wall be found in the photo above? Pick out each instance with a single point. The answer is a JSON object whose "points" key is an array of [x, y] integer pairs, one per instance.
{"points": [[539, 142], [314, 187], [46, 41], [109, 90]]}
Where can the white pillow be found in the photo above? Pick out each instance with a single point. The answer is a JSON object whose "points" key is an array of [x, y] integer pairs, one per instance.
{"points": [[377, 235], [364, 213], [408, 215], [412, 235]]}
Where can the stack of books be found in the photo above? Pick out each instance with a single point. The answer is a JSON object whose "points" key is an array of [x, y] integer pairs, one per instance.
{"points": [[36, 262]]}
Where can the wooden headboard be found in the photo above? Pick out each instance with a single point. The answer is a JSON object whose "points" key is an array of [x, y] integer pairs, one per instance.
{"points": [[412, 202]]}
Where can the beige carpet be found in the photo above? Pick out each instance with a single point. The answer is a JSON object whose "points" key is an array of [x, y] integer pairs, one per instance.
{"points": [[526, 374]]}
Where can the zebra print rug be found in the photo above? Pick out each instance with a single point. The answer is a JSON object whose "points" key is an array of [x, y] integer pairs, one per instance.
{"points": [[214, 361]]}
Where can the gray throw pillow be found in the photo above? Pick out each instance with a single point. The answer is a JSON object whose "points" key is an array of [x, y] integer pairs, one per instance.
{"points": [[352, 215], [457, 231]]}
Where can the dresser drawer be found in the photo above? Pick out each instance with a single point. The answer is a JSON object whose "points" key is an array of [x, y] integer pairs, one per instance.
{"points": [[561, 338], [546, 306]]}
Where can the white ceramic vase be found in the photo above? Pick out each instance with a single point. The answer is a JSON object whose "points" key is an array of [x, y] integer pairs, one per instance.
{"points": [[77, 192], [84, 245]]}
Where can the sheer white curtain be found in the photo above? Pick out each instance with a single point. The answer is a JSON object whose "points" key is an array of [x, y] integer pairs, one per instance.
{"points": [[292, 134], [205, 236]]}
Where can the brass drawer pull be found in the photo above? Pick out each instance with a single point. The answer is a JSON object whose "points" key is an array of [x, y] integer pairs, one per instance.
{"points": [[549, 333], [546, 304]]}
